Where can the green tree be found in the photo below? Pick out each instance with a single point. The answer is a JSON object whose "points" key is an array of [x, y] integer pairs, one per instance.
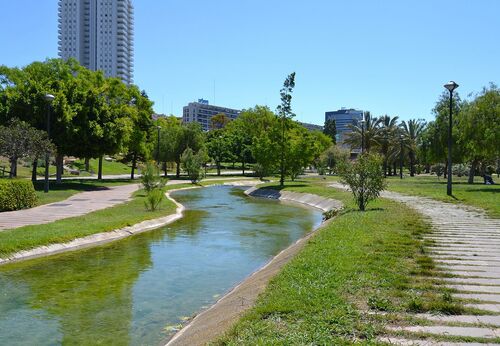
{"points": [[138, 147], [371, 133], [20, 140], [190, 136], [479, 129], [412, 131], [387, 138], [192, 163], [219, 147], [330, 129], [219, 121], [285, 114], [439, 129]]}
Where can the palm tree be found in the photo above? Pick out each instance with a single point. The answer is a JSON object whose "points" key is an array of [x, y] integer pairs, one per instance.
{"points": [[388, 131], [371, 133], [412, 131]]}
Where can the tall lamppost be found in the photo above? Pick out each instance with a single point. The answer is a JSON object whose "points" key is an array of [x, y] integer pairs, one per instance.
{"points": [[158, 146], [451, 85], [49, 98], [401, 138], [362, 135]]}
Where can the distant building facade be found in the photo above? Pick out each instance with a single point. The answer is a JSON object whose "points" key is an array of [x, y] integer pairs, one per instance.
{"points": [[202, 112], [312, 127], [99, 34], [343, 119]]}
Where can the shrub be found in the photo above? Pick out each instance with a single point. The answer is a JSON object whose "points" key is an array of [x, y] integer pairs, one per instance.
{"points": [[438, 169], [460, 170], [154, 198], [151, 178], [154, 186], [17, 194], [365, 178]]}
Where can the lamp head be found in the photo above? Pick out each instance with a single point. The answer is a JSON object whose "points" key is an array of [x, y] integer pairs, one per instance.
{"points": [[451, 85], [49, 98]]}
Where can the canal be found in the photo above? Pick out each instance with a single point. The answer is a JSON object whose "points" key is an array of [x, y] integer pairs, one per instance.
{"points": [[138, 290]]}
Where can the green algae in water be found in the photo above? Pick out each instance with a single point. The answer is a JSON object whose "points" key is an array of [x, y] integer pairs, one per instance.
{"points": [[139, 290]]}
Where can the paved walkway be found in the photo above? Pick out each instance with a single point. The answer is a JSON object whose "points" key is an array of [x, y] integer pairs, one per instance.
{"points": [[467, 245], [77, 205]]}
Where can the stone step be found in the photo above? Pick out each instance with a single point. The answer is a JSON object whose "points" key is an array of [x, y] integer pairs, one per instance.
{"points": [[463, 257], [495, 298], [474, 281], [467, 262], [495, 308], [466, 249], [471, 319], [472, 274], [475, 288], [472, 268], [476, 332], [392, 340]]}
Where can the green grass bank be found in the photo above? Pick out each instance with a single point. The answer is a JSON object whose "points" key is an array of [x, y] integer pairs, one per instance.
{"points": [[357, 262]]}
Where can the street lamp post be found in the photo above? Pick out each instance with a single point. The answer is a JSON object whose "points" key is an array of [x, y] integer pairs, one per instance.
{"points": [[401, 138], [158, 146], [451, 85], [48, 98], [362, 136]]}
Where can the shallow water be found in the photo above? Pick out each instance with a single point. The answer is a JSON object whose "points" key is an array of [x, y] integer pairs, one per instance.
{"points": [[134, 291]]}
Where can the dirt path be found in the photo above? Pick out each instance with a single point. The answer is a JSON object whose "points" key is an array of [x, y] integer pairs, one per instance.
{"points": [[467, 245]]}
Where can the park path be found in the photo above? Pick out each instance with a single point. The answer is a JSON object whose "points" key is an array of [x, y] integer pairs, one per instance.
{"points": [[77, 205], [466, 243]]}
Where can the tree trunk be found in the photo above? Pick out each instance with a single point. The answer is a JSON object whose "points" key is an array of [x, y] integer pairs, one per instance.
{"points": [[445, 174], [412, 164], [178, 169], [99, 170], [385, 167], [472, 171], [427, 168], [33, 170], [218, 168], [165, 168], [59, 168], [134, 162], [243, 166], [394, 168], [87, 164], [13, 167]]}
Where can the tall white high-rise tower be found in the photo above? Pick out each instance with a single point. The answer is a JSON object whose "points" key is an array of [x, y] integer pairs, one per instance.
{"points": [[99, 34]]}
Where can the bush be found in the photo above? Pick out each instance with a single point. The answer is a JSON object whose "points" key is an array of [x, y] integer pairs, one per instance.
{"points": [[460, 170], [365, 178], [154, 186], [438, 169], [151, 178], [154, 198], [17, 194]]}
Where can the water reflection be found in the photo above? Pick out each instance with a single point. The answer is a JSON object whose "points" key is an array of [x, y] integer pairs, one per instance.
{"points": [[129, 291]]}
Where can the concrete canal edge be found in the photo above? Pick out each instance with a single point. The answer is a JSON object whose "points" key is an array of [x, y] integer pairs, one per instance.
{"points": [[107, 237], [218, 319]]}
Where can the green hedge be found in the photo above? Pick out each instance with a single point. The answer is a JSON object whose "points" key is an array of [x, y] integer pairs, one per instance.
{"points": [[17, 194]]}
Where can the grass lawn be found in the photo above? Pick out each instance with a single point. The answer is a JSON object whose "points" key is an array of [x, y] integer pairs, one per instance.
{"points": [[359, 261], [125, 214], [479, 195], [108, 167]]}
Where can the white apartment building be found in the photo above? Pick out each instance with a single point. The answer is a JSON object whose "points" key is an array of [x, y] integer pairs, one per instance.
{"points": [[201, 112], [99, 34]]}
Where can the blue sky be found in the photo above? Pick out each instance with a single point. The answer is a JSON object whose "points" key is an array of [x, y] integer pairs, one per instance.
{"points": [[387, 56]]}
